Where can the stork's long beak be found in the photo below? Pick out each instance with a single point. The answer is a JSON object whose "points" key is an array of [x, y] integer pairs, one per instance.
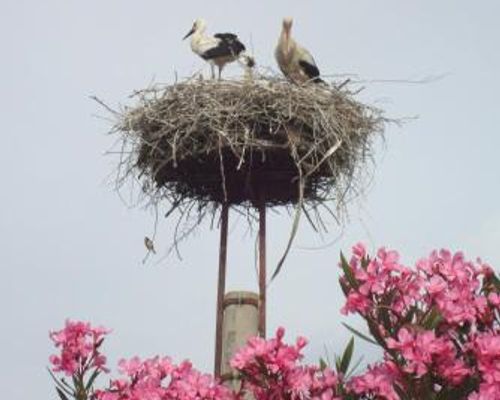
{"points": [[188, 34]]}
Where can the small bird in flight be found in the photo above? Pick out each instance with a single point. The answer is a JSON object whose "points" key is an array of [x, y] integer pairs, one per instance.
{"points": [[219, 49], [296, 63]]}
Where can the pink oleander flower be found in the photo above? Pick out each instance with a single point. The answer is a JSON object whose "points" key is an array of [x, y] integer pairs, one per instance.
{"points": [[272, 353], [494, 299], [452, 285], [380, 276], [271, 370], [453, 370], [359, 251], [356, 303], [379, 381], [430, 318], [486, 348], [422, 350], [159, 379], [79, 343]]}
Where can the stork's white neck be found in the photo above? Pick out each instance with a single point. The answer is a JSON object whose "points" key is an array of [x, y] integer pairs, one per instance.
{"points": [[287, 45]]}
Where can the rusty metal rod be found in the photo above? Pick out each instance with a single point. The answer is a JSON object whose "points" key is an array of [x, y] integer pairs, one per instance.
{"points": [[221, 290], [262, 269]]}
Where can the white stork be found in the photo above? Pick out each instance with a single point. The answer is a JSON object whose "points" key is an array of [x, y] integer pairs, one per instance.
{"points": [[219, 49], [296, 63]]}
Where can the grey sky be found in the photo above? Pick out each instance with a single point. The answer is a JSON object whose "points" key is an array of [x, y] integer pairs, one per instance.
{"points": [[71, 248]]}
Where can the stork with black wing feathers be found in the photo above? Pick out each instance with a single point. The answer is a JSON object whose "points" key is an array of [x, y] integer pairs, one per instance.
{"points": [[295, 61], [219, 49]]}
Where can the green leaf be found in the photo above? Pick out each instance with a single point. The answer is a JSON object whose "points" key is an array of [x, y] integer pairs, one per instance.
{"points": [[348, 272], [90, 382], [58, 383], [75, 381], [374, 330], [61, 394], [355, 367], [322, 364], [345, 287], [347, 356], [66, 384], [432, 320], [359, 334], [337, 363]]}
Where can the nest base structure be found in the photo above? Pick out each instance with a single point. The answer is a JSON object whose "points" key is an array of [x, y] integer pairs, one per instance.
{"points": [[269, 176], [244, 142]]}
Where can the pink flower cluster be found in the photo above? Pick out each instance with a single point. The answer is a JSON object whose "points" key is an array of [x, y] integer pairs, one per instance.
{"points": [[486, 348], [271, 370], [378, 381], [420, 351], [438, 324], [432, 321], [79, 343], [452, 285], [159, 379]]}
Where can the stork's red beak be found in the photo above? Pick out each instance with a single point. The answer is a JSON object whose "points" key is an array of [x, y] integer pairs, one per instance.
{"points": [[188, 34]]}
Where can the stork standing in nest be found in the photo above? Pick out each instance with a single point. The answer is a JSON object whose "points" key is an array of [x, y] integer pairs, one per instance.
{"points": [[296, 63], [219, 49]]}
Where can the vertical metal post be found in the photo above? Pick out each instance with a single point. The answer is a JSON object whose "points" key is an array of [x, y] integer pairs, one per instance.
{"points": [[221, 289], [262, 269]]}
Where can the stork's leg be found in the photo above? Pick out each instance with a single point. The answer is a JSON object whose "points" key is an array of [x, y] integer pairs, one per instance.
{"points": [[220, 71], [212, 69]]}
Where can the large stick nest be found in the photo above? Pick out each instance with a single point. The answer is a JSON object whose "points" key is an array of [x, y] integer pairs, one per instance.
{"points": [[201, 143], [247, 142]]}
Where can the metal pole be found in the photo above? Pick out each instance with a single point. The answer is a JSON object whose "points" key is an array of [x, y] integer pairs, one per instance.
{"points": [[262, 269], [221, 289]]}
